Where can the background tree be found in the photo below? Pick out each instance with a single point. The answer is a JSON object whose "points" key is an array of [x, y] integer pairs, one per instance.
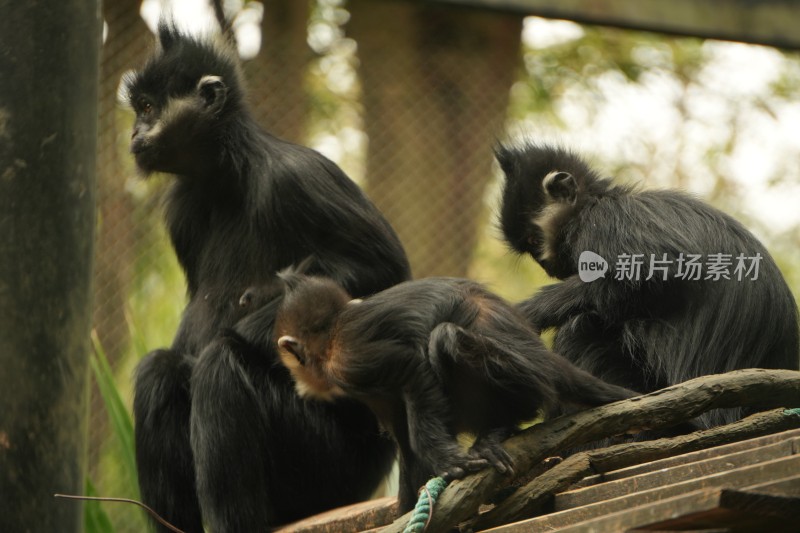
{"points": [[278, 73], [435, 84], [48, 125]]}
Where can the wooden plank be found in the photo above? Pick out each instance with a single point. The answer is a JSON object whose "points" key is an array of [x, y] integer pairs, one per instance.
{"points": [[744, 477], [697, 502], [701, 510], [740, 509], [762, 503], [676, 474], [770, 22], [760, 387], [686, 458], [357, 517], [536, 497], [788, 486]]}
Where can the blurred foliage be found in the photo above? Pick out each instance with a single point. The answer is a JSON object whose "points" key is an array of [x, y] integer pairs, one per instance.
{"points": [[95, 519], [335, 124], [121, 456], [551, 72], [787, 86], [572, 90]]}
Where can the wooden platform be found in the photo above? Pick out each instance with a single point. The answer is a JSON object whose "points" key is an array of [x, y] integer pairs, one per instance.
{"points": [[753, 485], [747, 486]]}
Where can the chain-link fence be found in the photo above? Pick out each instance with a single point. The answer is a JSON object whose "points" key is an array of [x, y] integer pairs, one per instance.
{"points": [[408, 99]]}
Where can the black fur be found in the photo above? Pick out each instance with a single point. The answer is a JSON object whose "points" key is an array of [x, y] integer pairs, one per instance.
{"points": [[432, 358], [642, 334], [221, 436]]}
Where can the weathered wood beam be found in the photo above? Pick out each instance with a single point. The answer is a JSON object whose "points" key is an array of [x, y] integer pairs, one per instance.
{"points": [[754, 387], [691, 472], [770, 22], [536, 497]]}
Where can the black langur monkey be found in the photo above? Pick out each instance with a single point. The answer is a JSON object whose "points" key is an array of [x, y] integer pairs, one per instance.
{"points": [[431, 358], [221, 436], [655, 328]]}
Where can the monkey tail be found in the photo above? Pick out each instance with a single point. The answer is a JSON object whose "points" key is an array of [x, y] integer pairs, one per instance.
{"points": [[580, 387]]}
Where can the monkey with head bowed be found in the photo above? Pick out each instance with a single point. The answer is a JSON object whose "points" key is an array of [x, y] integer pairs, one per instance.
{"points": [[656, 327], [431, 358]]}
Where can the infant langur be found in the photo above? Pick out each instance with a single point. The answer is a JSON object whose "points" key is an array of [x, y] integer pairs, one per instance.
{"points": [[431, 358]]}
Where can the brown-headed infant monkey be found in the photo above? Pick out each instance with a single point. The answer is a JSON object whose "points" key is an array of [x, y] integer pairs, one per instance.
{"points": [[431, 358]]}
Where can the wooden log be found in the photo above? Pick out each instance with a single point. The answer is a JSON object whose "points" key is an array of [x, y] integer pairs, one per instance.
{"points": [[765, 22], [667, 407], [656, 506], [536, 496]]}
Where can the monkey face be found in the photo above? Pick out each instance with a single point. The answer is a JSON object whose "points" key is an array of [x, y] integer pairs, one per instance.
{"points": [[180, 97], [523, 200], [306, 368], [304, 326], [542, 191], [173, 133]]}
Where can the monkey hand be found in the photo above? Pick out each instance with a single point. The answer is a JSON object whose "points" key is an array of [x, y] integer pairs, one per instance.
{"points": [[458, 466], [553, 305], [490, 448]]}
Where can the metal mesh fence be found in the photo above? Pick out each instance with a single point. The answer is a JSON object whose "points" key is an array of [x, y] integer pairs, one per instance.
{"points": [[410, 110], [408, 98]]}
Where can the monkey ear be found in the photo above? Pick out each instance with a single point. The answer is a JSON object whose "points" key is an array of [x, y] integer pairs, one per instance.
{"points": [[126, 83], [561, 186], [293, 346], [213, 92]]}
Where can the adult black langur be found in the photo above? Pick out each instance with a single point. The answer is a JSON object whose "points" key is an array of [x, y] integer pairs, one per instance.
{"points": [[654, 318], [221, 435], [432, 358]]}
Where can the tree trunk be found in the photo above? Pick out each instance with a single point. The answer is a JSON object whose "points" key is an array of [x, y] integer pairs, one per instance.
{"points": [[277, 74], [435, 83], [48, 127]]}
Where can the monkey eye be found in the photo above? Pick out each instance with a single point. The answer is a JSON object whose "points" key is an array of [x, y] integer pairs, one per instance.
{"points": [[145, 107]]}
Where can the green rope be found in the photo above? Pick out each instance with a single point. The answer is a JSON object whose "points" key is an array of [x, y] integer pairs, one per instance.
{"points": [[795, 411], [422, 511]]}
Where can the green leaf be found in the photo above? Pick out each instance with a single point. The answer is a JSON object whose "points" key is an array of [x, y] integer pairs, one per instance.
{"points": [[95, 519], [118, 415]]}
